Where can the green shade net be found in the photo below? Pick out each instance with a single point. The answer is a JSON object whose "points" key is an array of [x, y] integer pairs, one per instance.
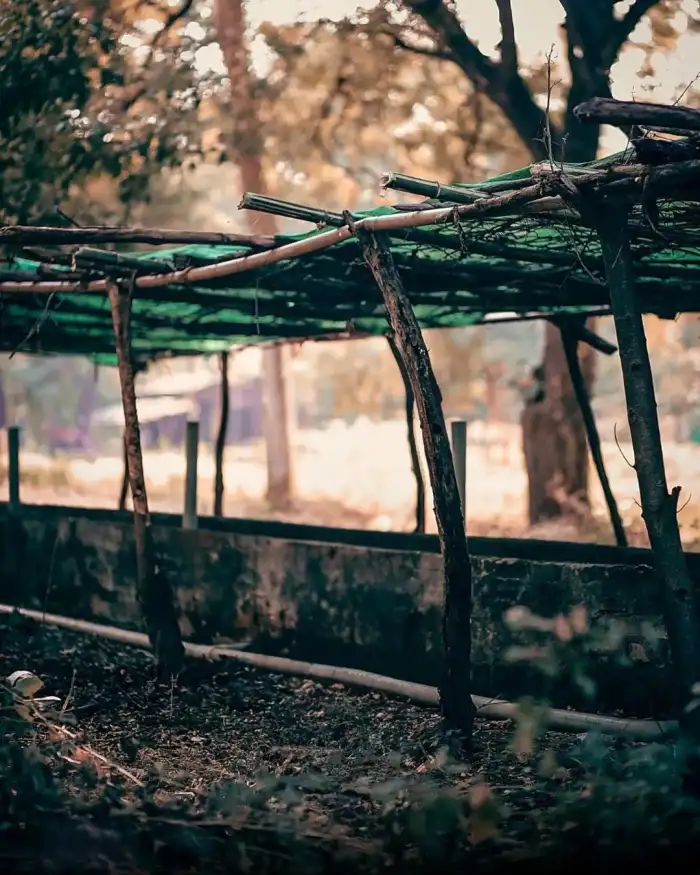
{"points": [[455, 274]]}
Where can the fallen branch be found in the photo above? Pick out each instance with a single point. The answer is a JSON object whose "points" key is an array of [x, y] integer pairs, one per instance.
{"points": [[624, 113]]}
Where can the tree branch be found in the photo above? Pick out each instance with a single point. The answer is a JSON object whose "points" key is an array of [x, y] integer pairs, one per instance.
{"points": [[509, 47], [624, 28], [508, 90], [401, 43]]}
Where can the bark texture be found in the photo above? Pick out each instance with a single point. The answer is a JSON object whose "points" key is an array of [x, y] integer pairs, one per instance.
{"points": [[221, 439], [154, 593], [455, 689], [247, 149], [659, 507]]}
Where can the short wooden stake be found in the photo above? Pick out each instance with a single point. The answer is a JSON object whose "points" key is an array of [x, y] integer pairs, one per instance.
{"points": [[455, 689], [153, 590], [189, 517], [458, 430], [412, 445], [13, 467], [221, 439]]}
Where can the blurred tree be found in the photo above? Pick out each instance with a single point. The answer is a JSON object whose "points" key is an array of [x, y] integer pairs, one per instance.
{"points": [[88, 94], [405, 84], [246, 148]]}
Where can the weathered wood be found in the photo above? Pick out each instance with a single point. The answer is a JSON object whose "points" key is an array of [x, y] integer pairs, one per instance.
{"points": [[13, 476], [221, 438], [455, 699], [125, 477], [458, 441], [189, 516], [35, 234], [570, 342], [623, 113], [154, 593], [659, 507], [412, 445]]}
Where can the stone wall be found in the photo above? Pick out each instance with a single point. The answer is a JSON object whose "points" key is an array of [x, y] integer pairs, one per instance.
{"points": [[375, 606]]}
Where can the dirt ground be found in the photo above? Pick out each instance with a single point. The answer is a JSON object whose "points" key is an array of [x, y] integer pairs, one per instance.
{"points": [[331, 747]]}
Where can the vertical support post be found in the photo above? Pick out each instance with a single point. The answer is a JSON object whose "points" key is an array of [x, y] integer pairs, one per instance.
{"points": [[125, 476], [189, 517], [458, 428], [570, 344], [221, 439], [153, 590], [412, 445], [455, 688], [13, 467], [659, 507]]}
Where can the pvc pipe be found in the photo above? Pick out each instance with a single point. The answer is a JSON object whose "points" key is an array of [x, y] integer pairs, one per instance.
{"points": [[13, 466], [189, 517], [492, 709]]}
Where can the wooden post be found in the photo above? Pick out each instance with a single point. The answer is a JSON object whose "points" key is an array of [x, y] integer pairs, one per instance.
{"points": [[221, 439], [570, 343], [189, 517], [153, 590], [125, 476], [458, 428], [13, 467], [412, 445], [659, 507], [455, 688]]}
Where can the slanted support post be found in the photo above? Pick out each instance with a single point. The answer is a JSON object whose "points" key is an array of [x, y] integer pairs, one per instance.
{"points": [[458, 433], [412, 444], [189, 517], [455, 688], [659, 507], [153, 590], [570, 342], [221, 439], [13, 467]]}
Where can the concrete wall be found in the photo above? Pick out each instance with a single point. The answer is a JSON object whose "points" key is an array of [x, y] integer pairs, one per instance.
{"points": [[371, 602]]}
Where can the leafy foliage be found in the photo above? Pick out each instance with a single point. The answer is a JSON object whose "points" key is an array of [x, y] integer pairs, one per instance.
{"points": [[81, 100]]}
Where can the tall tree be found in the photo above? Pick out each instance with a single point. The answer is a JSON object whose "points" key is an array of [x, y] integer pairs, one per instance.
{"points": [[477, 112], [247, 147]]}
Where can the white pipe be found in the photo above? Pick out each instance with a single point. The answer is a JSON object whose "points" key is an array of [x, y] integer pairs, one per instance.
{"points": [[492, 709]]}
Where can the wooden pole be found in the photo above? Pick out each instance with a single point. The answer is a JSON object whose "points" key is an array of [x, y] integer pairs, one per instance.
{"points": [[570, 343], [455, 688], [659, 507], [412, 444], [153, 590], [189, 517], [221, 438], [458, 429], [125, 476], [13, 467]]}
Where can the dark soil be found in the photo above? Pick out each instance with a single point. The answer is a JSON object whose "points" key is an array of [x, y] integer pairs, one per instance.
{"points": [[328, 750]]}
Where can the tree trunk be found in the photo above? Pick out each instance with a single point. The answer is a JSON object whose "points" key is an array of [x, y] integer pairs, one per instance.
{"points": [[247, 146], [554, 437]]}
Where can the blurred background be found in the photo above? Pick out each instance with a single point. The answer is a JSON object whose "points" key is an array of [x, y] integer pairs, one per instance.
{"points": [[161, 114]]}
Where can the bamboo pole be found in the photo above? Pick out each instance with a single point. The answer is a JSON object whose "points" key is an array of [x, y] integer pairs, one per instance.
{"points": [[659, 507], [221, 438], [455, 699], [154, 592], [412, 445], [570, 344]]}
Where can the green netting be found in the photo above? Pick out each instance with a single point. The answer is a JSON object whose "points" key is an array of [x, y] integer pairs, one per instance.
{"points": [[456, 274]]}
